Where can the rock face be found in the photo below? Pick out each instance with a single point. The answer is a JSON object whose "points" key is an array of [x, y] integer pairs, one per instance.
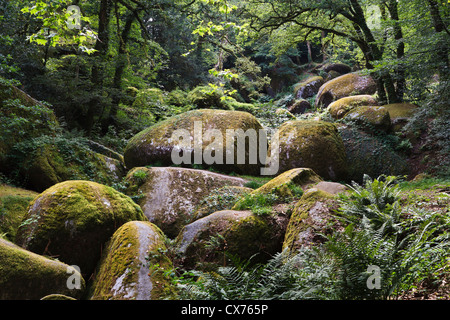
{"points": [[308, 88], [185, 134], [311, 217], [73, 220], [377, 118], [28, 276], [240, 233], [133, 265], [311, 144], [170, 195], [338, 109], [346, 85], [368, 155]]}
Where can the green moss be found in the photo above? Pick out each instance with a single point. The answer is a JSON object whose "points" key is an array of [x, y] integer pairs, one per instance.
{"points": [[312, 144], [376, 117], [314, 202], [350, 84], [74, 219], [338, 109], [14, 203], [134, 265], [40, 276], [154, 145], [46, 161]]}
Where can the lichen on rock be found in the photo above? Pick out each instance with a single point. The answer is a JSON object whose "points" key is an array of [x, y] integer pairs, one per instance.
{"points": [[169, 195]]}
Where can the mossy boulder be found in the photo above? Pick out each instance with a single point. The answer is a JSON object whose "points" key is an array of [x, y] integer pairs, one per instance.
{"points": [[342, 68], [310, 219], [283, 184], [220, 199], [400, 114], [43, 163], [377, 118], [338, 109], [133, 265], [169, 196], [25, 275], [239, 233], [21, 118], [311, 144], [350, 84], [299, 106], [308, 88], [73, 220], [155, 144], [14, 204], [367, 154]]}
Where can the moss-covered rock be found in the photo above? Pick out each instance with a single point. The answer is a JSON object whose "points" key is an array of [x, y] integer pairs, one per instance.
{"points": [[310, 218], [239, 233], [350, 84], [342, 68], [366, 154], [21, 118], [377, 118], [299, 106], [133, 265], [73, 220], [308, 88], [283, 184], [339, 108], [169, 196], [14, 204], [28, 276], [155, 144], [44, 164], [220, 199], [400, 114], [311, 144]]}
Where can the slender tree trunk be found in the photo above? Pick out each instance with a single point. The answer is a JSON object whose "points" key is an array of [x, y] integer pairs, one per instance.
{"points": [[442, 49], [101, 46], [118, 73], [374, 53], [398, 35]]}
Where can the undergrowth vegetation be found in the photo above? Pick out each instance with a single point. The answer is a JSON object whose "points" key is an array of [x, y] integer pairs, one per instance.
{"points": [[384, 251]]}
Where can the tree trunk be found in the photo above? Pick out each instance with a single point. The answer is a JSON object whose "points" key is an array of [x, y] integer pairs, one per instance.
{"points": [[398, 35], [442, 49], [118, 74], [101, 46]]}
